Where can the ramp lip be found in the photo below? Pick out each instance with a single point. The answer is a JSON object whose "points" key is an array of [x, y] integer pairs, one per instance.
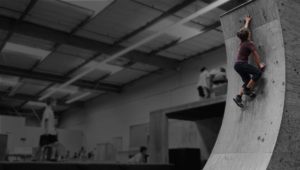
{"points": [[239, 6]]}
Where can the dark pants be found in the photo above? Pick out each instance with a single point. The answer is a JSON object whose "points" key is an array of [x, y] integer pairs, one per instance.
{"points": [[203, 92], [247, 72]]}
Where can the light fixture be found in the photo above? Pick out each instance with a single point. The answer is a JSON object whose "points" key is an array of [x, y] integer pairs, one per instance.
{"points": [[76, 98]]}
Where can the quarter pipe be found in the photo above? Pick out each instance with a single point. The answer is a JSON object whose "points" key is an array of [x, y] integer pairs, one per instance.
{"points": [[266, 133]]}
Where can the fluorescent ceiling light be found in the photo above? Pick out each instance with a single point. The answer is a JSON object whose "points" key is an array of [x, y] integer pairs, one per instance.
{"points": [[33, 52], [181, 31], [76, 98]]}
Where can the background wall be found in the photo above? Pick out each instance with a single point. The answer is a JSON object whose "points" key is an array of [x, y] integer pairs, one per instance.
{"points": [[16, 129], [111, 115]]}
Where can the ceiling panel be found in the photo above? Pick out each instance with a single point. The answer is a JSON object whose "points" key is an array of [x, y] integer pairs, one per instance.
{"points": [[75, 51], [144, 67], [13, 8], [30, 89], [171, 55], [198, 44], [31, 41], [151, 45], [58, 63], [119, 19], [124, 76], [19, 60], [92, 76], [58, 15], [96, 36], [159, 4]]}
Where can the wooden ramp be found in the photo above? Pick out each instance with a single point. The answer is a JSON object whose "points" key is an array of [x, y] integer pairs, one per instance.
{"points": [[266, 133]]}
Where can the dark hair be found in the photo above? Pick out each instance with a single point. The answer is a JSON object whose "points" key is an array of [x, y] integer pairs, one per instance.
{"points": [[222, 69], [243, 34], [143, 148], [50, 100], [202, 69]]}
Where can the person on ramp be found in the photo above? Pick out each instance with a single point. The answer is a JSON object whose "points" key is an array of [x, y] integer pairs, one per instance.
{"points": [[249, 73]]}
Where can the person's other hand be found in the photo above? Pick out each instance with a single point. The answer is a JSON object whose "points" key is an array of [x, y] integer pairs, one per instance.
{"points": [[262, 66]]}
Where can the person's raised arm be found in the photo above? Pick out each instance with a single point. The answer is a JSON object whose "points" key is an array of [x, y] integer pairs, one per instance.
{"points": [[257, 61], [256, 58], [247, 21]]}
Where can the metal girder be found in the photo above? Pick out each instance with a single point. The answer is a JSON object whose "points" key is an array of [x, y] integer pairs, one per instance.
{"points": [[25, 97], [56, 78], [24, 112], [61, 37]]}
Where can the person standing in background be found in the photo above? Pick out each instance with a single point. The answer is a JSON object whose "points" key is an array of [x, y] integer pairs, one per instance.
{"points": [[50, 136], [204, 83]]}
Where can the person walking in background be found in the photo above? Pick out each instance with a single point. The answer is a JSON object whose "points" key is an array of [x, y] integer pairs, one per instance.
{"points": [[204, 83], [49, 138]]}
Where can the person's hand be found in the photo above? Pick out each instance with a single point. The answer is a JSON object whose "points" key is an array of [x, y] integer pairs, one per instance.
{"points": [[248, 18], [262, 66]]}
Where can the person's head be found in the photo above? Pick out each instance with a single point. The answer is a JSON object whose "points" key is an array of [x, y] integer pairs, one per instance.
{"points": [[51, 102], [143, 149], [243, 34], [222, 69], [202, 69]]}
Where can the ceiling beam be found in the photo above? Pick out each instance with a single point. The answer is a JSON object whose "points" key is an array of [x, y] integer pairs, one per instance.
{"points": [[61, 37], [13, 71], [9, 111], [25, 97]]}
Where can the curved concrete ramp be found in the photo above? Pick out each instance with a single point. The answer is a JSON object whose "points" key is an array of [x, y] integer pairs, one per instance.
{"points": [[266, 134]]}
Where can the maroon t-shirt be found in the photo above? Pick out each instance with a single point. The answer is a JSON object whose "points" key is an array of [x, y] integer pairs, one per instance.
{"points": [[246, 48]]}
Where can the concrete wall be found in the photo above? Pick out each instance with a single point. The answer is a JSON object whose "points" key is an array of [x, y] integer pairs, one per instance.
{"points": [[111, 115], [200, 134]]}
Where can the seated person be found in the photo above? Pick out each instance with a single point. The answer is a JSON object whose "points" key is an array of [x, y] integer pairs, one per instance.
{"points": [[140, 157]]}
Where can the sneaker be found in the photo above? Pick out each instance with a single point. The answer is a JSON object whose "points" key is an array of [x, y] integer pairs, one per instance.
{"points": [[238, 100], [252, 95], [249, 93]]}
